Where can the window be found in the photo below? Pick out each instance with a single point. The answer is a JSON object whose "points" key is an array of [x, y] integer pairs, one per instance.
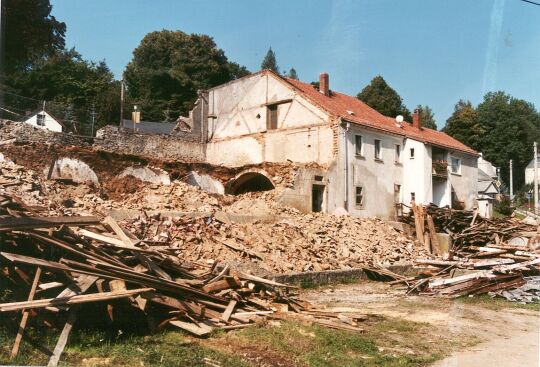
{"points": [[272, 117], [377, 149], [397, 194], [412, 153], [40, 119], [455, 164], [413, 196], [359, 147], [359, 196], [398, 153]]}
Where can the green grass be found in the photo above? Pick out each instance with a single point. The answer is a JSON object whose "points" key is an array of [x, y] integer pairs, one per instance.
{"points": [[387, 342], [92, 348], [497, 303]]}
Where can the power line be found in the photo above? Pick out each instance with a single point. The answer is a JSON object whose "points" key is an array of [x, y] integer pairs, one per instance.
{"points": [[530, 2]]}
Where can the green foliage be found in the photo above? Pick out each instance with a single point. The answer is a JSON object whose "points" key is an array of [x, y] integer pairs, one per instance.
{"points": [[292, 74], [380, 96], [72, 86], [31, 33], [167, 69], [427, 117], [504, 206], [269, 62], [501, 127]]}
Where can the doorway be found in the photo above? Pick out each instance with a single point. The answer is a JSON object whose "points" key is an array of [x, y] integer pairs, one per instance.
{"points": [[317, 195]]}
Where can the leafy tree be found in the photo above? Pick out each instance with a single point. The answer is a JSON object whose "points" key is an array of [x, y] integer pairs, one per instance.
{"points": [[30, 32], [167, 69], [501, 127], [71, 86], [511, 126], [426, 115], [269, 62], [237, 71], [292, 74], [380, 96]]}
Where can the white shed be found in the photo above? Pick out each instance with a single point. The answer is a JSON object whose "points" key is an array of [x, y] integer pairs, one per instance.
{"points": [[44, 120]]}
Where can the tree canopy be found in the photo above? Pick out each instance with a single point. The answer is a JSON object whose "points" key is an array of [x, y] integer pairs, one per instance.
{"points": [[292, 74], [30, 33], [427, 117], [380, 96], [269, 62], [167, 69], [501, 127]]}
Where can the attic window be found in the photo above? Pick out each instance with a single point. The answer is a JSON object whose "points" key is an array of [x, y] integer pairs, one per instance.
{"points": [[350, 112], [271, 117], [40, 119]]}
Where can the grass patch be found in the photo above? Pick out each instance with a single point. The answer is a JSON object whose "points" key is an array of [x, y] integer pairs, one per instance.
{"points": [[93, 348], [497, 303], [318, 346]]}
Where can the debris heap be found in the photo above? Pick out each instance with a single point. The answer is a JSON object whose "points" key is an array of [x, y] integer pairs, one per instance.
{"points": [[487, 255]]}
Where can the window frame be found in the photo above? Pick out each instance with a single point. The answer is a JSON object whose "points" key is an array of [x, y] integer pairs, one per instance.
{"points": [[272, 124], [413, 197], [362, 196], [40, 117], [397, 152], [359, 152], [458, 172], [411, 153], [377, 153]]}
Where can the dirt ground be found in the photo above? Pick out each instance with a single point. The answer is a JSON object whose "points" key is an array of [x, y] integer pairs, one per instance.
{"points": [[493, 332]]}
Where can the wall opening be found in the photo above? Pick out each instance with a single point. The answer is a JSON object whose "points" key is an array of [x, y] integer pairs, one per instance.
{"points": [[317, 195], [249, 182]]}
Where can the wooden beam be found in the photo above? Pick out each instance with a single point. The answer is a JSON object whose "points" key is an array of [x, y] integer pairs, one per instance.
{"points": [[24, 319], [73, 300], [14, 223], [62, 340]]}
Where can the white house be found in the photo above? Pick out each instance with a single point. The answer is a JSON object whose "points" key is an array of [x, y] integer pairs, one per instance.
{"points": [[44, 120], [529, 171], [366, 163]]}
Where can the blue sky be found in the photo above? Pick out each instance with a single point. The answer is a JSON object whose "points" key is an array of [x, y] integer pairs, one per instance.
{"points": [[432, 52]]}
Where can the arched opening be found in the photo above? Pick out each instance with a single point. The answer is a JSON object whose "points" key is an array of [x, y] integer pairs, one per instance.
{"points": [[249, 182]]}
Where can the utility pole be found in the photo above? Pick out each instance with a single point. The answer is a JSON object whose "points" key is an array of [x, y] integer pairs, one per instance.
{"points": [[122, 102], [535, 187], [511, 181], [93, 113]]}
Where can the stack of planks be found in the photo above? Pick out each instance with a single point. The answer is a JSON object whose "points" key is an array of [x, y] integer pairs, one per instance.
{"points": [[74, 262]]}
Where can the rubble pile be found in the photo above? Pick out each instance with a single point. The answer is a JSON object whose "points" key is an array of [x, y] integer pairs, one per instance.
{"points": [[295, 243], [83, 261], [487, 255]]}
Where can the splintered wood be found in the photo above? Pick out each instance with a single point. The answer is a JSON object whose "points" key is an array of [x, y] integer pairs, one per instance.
{"points": [[105, 266], [487, 255]]}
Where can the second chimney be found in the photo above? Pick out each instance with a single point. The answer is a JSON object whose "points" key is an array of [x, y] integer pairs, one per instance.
{"points": [[324, 84], [416, 119]]}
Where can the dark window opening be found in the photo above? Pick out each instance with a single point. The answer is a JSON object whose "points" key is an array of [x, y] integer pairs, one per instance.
{"points": [[318, 178], [377, 149], [317, 195], [272, 117], [358, 145], [412, 152], [413, 197]]}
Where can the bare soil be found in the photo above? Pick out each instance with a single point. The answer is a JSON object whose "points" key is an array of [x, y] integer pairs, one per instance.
{"points": [[485, 335]]}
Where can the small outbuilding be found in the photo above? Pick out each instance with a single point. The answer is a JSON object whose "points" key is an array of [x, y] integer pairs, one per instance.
{"points": [[44, 120]]}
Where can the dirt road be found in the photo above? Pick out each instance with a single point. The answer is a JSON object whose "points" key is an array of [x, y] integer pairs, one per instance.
{"points": [[485, 333]]}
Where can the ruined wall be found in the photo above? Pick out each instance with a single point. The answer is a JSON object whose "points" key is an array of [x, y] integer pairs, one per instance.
{"points": [[111, 139], [465, 183]]}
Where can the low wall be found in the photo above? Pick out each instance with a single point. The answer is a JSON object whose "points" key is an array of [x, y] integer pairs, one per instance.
{"points": [[111, 139]]}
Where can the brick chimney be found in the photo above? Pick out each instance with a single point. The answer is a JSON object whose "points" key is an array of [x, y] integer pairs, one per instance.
{"points": [[416, 119], [324, 84]]}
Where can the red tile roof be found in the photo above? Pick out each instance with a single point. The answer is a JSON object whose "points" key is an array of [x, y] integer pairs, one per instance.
{"points": [[339, 105]]}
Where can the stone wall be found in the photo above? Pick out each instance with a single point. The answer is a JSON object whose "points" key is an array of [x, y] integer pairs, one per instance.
{"points": [[111, 139], [25, 133]]}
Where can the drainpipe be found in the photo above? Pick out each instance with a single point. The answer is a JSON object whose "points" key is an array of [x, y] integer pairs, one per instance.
{"points": [[345, 126]]}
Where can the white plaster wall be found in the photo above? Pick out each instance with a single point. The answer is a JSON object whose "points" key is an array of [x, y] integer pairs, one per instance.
{"points": [[376, 177], [50, 123], [465, 184], [417, 173], [235, 152], [529, 175], [239, 108]]}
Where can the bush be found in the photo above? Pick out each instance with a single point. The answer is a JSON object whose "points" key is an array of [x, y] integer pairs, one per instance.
{"points": [[504, 206]]}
